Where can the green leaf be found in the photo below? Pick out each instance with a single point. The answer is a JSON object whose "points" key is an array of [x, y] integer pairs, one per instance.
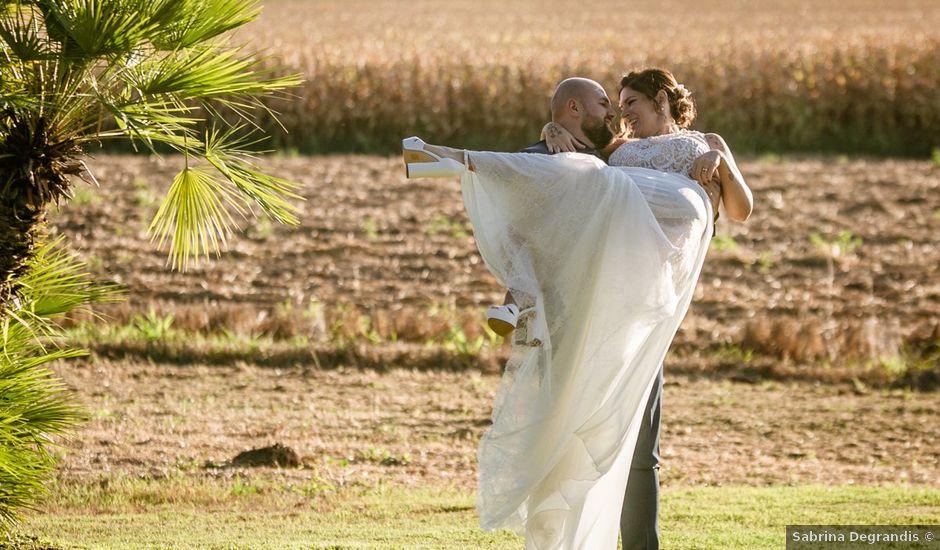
{"points": [[58, 283], [149, 122], [185, 23], [55, 284], [204, 72], [161, 70], [227, 154], [268, 192], [194, 216], [33, 403], [89, 29], [19, 31]]}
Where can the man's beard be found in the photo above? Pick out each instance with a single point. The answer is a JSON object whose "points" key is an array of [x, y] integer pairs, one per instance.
{"points": [[599, 134]]}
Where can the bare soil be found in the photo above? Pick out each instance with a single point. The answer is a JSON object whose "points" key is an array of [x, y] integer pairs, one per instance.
{"points": [[362, 427], [373, 241], [784, 284]]}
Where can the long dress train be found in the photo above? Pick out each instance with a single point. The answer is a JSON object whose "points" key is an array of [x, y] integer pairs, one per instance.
{"points": [[610, 257]]}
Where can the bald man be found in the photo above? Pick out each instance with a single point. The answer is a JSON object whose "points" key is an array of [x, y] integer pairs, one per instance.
{"points": [[581, 106]]}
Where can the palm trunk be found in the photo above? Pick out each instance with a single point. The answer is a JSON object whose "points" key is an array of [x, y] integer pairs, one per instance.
{"points": [[20, 229], [34, 171]]}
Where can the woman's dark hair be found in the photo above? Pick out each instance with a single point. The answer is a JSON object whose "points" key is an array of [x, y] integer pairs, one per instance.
{"points": [[650, 81]]}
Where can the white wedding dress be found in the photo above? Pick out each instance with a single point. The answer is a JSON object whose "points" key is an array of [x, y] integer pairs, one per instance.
{"points": [[609, 256]]}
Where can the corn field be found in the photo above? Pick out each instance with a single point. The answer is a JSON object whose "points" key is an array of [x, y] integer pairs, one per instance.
{"points": [[796, 75]]}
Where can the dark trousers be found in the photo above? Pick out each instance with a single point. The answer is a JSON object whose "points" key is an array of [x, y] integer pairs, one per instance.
{"points": [[639, 519]]}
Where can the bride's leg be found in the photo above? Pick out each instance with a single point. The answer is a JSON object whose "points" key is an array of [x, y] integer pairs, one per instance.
{"points": [[449, 152]]}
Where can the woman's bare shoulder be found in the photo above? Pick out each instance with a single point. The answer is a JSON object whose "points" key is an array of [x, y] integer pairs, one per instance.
{"points": [[715, 141]]}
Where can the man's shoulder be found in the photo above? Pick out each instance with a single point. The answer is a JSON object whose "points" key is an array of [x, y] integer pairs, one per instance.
{"points": [[540, 148]]}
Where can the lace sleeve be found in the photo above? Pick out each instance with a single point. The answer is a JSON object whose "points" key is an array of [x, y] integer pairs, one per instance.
{"points": [[677, 155]]}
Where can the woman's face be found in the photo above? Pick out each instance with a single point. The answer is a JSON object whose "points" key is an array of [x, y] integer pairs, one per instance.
{"points": [[639, 114]]}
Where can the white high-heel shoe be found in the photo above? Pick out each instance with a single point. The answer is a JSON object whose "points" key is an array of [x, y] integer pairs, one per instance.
{"points": [[504, 319], [420, 163]]}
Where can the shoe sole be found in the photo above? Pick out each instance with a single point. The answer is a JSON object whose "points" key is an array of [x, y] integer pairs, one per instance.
{"points": [[500, 327], [415, 157]]}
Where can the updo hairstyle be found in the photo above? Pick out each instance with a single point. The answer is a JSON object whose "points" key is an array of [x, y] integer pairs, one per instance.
{"points": [[650, 81]]}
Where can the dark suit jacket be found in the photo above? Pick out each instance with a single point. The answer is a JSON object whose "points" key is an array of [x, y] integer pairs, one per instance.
{"points": [[542, 149]]}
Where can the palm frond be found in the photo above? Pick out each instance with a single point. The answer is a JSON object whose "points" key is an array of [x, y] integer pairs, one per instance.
{"points": [[58, 283], [206, 72], [195, 216], [267, 191], [185, 23], [149, 121], [19, 31], [153, 72], [33, 403], [91, 29], [230, 155], [77, 71], [14, 84], [47, 89]]}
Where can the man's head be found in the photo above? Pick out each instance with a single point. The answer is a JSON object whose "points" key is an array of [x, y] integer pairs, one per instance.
{"points": [[582, 107]]}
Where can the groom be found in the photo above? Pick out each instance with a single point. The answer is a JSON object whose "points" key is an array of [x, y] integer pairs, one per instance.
{"points": [[581, 107]]}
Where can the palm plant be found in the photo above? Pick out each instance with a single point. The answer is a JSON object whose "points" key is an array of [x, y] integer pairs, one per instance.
{"points": [[159, 73], [33, 404], [78, 73]]}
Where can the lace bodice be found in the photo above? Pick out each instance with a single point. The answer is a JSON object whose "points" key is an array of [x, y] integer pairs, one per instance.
{"points": [[667, 153]]}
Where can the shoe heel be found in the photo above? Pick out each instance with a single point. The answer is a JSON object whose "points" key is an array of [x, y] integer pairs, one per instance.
{"points": [[434, 169], [502, 319], [425, 164], [414, 157], [500, 327]]}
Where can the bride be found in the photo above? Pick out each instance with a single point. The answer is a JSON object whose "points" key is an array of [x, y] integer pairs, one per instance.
{"points": [[607, 258]]}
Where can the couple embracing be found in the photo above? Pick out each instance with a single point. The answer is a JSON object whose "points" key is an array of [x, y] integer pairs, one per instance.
{"points": [[600, 260]]}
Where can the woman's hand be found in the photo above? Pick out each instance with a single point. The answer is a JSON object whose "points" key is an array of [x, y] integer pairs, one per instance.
{"points": [[705, 168], [560, 140], [713, 189]]}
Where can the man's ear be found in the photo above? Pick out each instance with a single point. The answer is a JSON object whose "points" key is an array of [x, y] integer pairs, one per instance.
{"points": [[574, 108]]}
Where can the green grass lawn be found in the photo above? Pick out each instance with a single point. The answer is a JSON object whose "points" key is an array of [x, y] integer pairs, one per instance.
{"points": [[233, 513]]}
